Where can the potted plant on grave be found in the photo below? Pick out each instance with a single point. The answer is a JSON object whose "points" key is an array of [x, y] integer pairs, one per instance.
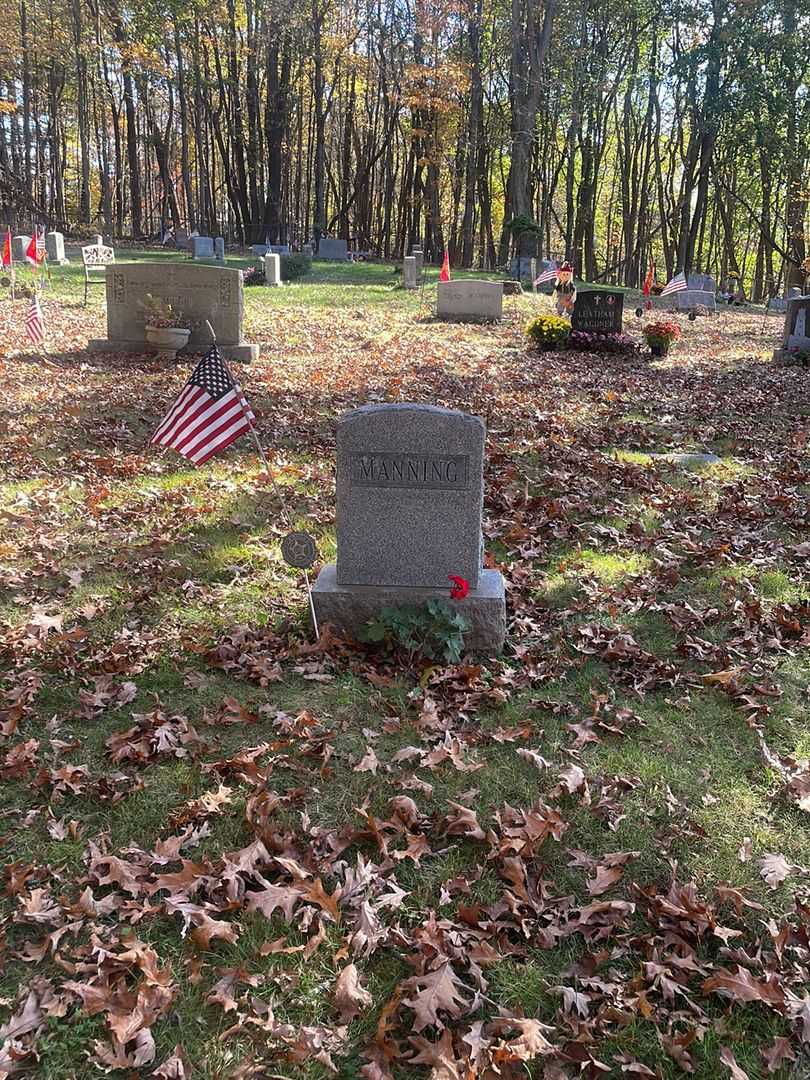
{"points": [[165, 326], [660, 335]]}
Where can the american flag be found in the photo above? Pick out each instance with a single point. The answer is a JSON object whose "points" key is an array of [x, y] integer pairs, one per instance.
{"points": [[677, 284], [41, 252], [546, 275], [34, 323], [210, 412]]}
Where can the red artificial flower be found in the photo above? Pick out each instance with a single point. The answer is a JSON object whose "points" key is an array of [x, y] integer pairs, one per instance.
{"points": [[460, 587]]}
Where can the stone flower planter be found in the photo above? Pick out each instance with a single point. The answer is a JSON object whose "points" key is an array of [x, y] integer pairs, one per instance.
{"points": [[168, 340]]}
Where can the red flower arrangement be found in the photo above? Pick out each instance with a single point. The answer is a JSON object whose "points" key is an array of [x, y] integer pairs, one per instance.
{"points": [[460, 587]]}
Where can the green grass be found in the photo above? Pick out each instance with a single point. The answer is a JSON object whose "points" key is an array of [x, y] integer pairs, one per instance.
{"points": [[176, 563]]}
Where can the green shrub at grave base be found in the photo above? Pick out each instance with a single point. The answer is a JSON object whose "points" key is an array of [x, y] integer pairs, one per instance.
{"points": [[548, 331], [295, 266], [620, 344], [434, 630]]}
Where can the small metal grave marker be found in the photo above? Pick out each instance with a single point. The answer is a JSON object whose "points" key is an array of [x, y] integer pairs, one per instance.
{"points": [[298, 549]]}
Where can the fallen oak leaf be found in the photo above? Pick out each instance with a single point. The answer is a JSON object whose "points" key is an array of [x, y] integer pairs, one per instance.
{"points": [[780, 1051], [741, 985], [774, 868], [730, 1062], [350, 997], [436, 991]]}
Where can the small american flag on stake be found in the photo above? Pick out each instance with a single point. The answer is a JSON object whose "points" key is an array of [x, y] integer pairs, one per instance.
{"points": [[546, 275], [210, 412], [677, 284], [34, 323]]}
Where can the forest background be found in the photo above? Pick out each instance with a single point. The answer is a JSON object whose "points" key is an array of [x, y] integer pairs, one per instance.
{"points": [[609, 131]]}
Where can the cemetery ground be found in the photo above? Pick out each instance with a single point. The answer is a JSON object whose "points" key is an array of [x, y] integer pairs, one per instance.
{"points": [[233, 852]]}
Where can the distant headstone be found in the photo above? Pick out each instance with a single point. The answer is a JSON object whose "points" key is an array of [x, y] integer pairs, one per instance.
{"points": [[260, 250], [201, 292], [272, 269], [467, 300], [308, 249], [279, 249], [410, 272], [202, 247], [409, 505], [512, 288], [55, 248], [419, 255], [689, 299], [796, 333], [181, 239], [219, 249], [523, 267], [98, 240], [331, 248], [701, 283], [777, 305], [598, 311], [19, 246], [794, 292]]}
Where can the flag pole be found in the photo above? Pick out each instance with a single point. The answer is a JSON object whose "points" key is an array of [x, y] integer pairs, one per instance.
{"points": [[276, 489]]}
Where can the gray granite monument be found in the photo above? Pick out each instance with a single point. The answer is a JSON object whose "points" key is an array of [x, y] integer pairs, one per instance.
{"points": [[796, 333], [272, 269], [55, 249], [410, 272], [202, 247], [19, 247], [331, 248], [467, 300], [409, 504], [419, 255], [219, 249], [201, 292]]}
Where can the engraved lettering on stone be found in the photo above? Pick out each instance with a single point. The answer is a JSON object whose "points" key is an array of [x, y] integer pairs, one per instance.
{"points": [[391, 470]]}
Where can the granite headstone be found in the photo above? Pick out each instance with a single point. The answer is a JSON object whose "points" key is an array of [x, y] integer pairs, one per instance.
{"points": [[410, 272], [202, 247], [19, 247], [213, 293], [272, 269], [331, 248], [467, 300], [219, 249], [409, 505], [796, 332], [55, 248], [419, 255], [598, 311]]}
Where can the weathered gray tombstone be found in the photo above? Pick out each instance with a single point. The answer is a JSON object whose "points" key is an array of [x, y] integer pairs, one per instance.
{"points": [[272, 269], [55, 248], [279, 249], [19, 247], [523, 267], [467, 300], [796, 333], [409, 504], [794, 292], [308, 249], [331, 248], [260, 250], [202, 247], [410, 272], [98, 240], [777, 305], [419, 255], [701, 283], [219, 249], [181, 239], [689, 299], [201, 292]]}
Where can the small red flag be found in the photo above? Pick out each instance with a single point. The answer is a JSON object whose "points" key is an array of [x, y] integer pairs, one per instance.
{"points": [[7, 259], [445, 274], [32, 251], [648, 280]]}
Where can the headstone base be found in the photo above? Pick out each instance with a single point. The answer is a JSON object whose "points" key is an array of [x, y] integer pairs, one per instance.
{"points": [[349, 607], [241, 354]]}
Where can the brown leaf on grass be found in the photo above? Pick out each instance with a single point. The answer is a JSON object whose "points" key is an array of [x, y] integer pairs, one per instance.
{"points": [[533, 758], [606, 876], [369, 762], [462, 821], [781, 1050], [436, 991], [774, 868], [741, 985], [271, 897], [730, 1062], [174, 1067], [350, 997], [208, 930]]}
